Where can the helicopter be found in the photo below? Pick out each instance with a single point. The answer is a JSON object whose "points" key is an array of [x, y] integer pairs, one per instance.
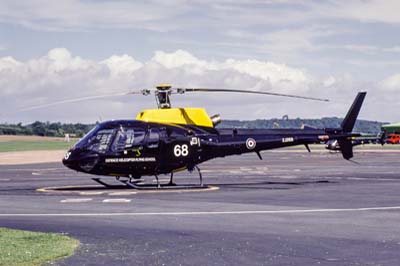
{"points": [[168, 140]]}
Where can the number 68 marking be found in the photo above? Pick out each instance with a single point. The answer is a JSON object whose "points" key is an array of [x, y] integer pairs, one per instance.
{"points": [[181, 150]]}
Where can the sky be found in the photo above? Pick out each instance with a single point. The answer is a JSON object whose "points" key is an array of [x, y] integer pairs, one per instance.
{"points": [[58, 50]]}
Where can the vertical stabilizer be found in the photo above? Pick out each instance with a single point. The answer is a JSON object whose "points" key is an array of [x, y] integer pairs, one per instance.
{"points": [[346, 145], [351, 117]]}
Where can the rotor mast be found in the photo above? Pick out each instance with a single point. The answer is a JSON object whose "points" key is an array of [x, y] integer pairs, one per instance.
{"points": [[162, 93]]}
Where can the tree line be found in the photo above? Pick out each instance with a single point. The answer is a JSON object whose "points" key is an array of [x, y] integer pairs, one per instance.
{"points": [[363, 126], [78, 129], [46, 129]]}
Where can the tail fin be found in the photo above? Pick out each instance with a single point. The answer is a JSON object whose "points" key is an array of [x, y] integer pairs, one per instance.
{"points": [[346, 145], [351, 117]]}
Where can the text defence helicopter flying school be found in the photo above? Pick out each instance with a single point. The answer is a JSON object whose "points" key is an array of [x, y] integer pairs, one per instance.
{"points": [[167, 140]]}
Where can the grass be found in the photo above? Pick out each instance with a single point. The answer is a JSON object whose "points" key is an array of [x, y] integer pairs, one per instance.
{"points": [[32, 145], [24, 248]]}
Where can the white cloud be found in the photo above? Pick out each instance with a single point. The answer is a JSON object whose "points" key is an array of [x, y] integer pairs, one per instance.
{"points": [[177, 59], [123, 65], [59, 75], [182, 59], [276, 74], [394, 49], [270, 72], [385, 11], [367, 49], [392, 83], [296, 33], [8, 63]]}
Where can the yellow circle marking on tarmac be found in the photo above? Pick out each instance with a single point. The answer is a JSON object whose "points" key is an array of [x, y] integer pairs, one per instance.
{"points": [[113, 192]]}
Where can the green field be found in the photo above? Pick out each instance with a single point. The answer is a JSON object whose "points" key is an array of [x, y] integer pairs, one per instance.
{"points": [[31, 145], [24, 248]]}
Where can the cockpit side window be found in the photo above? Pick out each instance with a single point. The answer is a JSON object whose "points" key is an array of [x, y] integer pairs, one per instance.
{"points": [[101, 141], [83, 141]]}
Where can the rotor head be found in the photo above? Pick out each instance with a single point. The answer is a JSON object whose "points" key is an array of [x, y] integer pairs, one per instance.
{"points": [[162, 93]]}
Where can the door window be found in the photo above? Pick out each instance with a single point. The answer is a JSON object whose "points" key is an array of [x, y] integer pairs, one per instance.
{"points": [[128, 138], [120, 139], [154, 138], [138, 137]]}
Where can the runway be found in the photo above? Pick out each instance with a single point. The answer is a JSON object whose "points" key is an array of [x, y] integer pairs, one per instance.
{"points": [[292, 208]]}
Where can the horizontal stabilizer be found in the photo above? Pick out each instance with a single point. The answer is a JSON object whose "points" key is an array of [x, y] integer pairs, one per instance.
{"points": [[306, 127]]}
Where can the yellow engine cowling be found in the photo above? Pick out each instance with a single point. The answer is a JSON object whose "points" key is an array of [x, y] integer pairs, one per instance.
{"points": [[183, 116]]}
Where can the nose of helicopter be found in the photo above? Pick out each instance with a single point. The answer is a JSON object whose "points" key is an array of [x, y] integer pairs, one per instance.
{"points": [[69, 162], [80, 160]]}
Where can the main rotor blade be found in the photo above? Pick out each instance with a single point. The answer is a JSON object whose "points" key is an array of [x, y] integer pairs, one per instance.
{"points": [[145, 92], [183, 90], [74, 100]]}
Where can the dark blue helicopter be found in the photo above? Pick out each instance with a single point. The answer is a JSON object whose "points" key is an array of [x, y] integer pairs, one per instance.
{"points": [[167, 140]]}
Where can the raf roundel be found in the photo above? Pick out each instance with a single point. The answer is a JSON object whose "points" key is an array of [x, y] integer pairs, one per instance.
{"points": [[250, 143]]}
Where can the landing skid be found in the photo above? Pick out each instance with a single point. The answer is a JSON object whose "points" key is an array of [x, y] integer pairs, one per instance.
{"points": [[136, 184], [99, 180]]}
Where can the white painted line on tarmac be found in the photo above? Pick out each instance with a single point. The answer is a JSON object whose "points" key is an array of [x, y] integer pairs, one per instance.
{"points": [[77, 200], [4, 179], [207, 171], [256, 172], [92, 193], [372, 179], [29, 169], [116, 200], [235, 172], [200, 213], [121, 193]]}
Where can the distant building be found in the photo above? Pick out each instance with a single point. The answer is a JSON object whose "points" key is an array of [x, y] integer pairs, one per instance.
{"points": [[391, 128]]}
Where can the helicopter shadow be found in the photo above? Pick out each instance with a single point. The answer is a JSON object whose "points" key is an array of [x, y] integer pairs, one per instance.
{"points": [[267, 184]]}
